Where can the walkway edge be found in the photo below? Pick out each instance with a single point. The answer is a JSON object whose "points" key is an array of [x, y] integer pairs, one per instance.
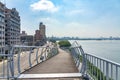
{"points": [[50, 75]]}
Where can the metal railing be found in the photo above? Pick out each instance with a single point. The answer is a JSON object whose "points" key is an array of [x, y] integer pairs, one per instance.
{"points": [[102, 69], [94, 67], [22, 58], [79, 57]]}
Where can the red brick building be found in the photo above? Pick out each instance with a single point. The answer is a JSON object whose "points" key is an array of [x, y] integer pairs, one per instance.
{"points": [[40, 35], [37, 35]]}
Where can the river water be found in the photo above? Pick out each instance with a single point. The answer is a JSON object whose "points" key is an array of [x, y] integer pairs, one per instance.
{"points": [[109, 49]]}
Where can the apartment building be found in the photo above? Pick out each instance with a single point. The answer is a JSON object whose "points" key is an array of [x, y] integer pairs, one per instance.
{"points": [[9, 27], [40, 35], [12, 30], [2, 28]]}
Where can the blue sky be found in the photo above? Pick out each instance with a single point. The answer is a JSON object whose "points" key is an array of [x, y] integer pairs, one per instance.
{"points": [[82, 18]]}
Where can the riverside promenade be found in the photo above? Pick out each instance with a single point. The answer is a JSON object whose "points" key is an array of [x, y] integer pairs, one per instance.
{"points": [[61, 63]]}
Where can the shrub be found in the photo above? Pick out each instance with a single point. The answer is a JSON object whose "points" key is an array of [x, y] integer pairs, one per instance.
{"points": [[64, 43]]}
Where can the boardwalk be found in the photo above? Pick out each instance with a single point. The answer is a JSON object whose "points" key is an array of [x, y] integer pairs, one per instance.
{"points": [[61, 63]]}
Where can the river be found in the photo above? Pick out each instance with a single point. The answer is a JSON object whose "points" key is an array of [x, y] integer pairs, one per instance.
{"points": [[109, 49]]}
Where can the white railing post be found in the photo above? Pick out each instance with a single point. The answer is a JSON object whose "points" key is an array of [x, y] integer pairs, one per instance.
{"points": [[37, 54], [3, 66], [92, 65], [12, 61], [87, 63], [107, 71], [30, 64], [8, 63], [100, 70], [111, 71], [116, 72], [103, 70], [19, 53]]}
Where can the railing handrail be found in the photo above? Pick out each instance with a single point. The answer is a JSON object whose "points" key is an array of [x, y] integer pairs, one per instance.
{"points": [[77, 51], [42, 53], [22, 46], [97, 67], [104, 59], [5, 55]]}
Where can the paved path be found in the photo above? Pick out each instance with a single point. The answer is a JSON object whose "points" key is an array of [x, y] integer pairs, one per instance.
{"points": [[61, 63]]}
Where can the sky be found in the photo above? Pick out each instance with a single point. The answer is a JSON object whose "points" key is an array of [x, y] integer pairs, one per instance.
{"points": [[78, 18]]}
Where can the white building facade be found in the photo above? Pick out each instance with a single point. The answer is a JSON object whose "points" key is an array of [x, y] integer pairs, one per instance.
{"points": [[2, 28], [12, 30], [9, 27]]}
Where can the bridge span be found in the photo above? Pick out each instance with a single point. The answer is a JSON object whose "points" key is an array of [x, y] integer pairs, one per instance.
{"points": [[53, 63], [60, 66]]}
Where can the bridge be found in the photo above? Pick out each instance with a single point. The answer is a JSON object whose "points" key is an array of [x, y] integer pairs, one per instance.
{"points": [[50, 62]]}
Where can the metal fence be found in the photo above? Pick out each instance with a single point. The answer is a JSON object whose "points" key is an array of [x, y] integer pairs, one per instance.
{"points": [[79, 57], [102, 69], [22, 58], [94, 67]]}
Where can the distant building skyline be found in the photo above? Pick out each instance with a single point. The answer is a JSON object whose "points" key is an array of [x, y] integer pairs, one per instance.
{"points": [[78, 38]]}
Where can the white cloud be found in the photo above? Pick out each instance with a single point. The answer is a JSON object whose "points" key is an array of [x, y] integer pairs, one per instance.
{"points": [[44, 5]]}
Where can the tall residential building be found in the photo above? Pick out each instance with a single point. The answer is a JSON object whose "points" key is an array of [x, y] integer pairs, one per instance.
{"points": [[37, 36], [2, 28], [12, 30], [40, 35], [42, 30]]}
